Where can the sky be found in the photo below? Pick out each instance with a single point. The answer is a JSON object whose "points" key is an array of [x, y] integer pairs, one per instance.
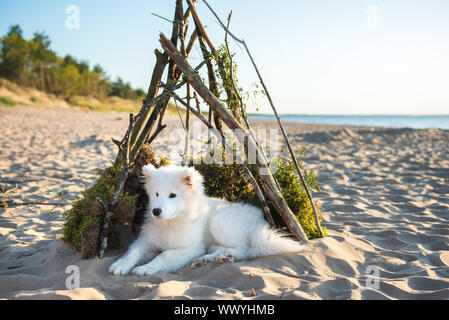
{"points": [[316, 57]]}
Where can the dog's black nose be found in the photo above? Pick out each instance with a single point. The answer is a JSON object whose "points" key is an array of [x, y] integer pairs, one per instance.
{"points": [[157, 212]]}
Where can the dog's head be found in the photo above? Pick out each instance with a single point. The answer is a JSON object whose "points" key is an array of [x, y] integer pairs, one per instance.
{"points": [[172, 191]]}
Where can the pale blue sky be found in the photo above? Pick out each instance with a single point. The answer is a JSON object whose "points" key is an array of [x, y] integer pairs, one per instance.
{"points": [[317, 57]]}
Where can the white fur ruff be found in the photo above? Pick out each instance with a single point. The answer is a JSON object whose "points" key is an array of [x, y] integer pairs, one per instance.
{"points": [[185, 226]]}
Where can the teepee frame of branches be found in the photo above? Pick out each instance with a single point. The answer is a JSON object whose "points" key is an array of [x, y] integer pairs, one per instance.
{"points": [[148, 123]]}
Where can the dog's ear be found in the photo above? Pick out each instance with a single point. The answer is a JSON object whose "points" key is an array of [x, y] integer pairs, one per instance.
{"points": [[190, 177], [147, 171]]}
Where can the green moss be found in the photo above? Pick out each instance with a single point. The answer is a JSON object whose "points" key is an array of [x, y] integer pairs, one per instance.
{"points": [[86, 212], [36, 100], [162, 162], [84, 219], [85, 223], [7, 101], [225, 85], [229, 182], [295, 194]]}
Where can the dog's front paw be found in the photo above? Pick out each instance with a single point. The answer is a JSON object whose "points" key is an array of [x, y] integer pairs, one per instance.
{"points": [[225, 257], [120, 267], [144, 271], [200, 262]]}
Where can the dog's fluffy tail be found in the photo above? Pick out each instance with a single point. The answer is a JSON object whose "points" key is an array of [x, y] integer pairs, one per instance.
{"points": [[267, 242]]}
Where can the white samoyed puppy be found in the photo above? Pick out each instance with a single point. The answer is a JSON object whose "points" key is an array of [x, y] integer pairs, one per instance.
{"points": [[185, 226]]}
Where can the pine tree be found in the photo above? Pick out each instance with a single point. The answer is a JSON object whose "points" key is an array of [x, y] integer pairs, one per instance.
{"points": [[14, 51]]}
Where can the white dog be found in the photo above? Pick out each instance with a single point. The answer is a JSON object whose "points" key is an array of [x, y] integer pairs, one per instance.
{"points": [[183, 224]]}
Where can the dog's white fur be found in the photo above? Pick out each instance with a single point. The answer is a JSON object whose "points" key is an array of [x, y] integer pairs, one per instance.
{"points": [[192, 224]]}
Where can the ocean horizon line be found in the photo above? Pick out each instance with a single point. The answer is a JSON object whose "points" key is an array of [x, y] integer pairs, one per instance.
{"points": [[386, 121], [349, 115]]}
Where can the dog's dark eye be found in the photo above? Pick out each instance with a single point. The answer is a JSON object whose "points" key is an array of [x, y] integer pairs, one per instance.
{"points": [[172, 195], [157, 194]]}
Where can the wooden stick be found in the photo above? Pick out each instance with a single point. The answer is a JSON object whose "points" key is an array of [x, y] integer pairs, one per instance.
{"points": [[145, 112], [20, 180], [231, 73], [199, 26], [158, 130], [8, 203], [120, 184], [192, 40], [198, 108], [179, 16], [284, 133], [187, 124], [160, 102], [221, 68], [4, 202], [259, 193], [273, 192], [213, 84]]}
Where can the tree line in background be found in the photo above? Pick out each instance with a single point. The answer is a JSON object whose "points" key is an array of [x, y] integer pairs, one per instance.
{"points": [[31, 63]]}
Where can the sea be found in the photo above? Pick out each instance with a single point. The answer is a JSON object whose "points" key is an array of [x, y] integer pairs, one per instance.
{"points": [[386, 121]]}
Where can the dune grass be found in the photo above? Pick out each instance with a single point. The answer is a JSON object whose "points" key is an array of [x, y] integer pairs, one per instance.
{"points": [[33, 96], [7, 101]]}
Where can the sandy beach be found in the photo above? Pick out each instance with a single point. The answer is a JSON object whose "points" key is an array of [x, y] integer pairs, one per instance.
{"points": [[384, 195]]}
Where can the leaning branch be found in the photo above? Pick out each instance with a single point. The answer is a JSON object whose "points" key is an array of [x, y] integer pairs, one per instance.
{"points": [[221, 68], [120, 184]]}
